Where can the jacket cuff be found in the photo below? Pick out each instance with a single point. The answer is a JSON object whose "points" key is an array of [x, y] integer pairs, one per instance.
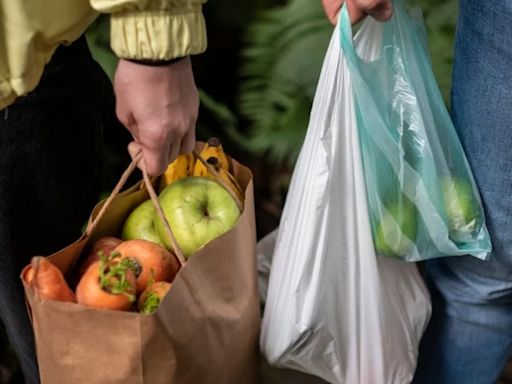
{"points": [[158, 34]]}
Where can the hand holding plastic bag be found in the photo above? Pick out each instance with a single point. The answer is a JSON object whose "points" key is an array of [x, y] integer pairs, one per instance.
{"points": [[422, 198]]}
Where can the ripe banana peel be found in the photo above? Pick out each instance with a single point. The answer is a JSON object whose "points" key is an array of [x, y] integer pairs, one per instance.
{"points": [[181, 167], [213, 148], [230, 180]]}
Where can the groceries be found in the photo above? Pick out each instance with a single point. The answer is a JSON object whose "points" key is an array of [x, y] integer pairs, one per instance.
{"points": [[134, 269]]}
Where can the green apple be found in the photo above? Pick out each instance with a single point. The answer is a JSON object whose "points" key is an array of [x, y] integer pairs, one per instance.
{"points": [[198, 210], [396, 231], [462, 209], [140, 224]]}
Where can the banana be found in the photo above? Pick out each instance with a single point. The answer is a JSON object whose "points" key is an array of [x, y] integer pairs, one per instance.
{"points": [[181, 167], [224, 175], [212, 148], [230, 180]]}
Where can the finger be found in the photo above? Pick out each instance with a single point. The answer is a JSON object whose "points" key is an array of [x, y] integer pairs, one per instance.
{"points": [[174, 151], [382, 12], [155, 149], [331, 9], [156, 160], [355, 13], [188, 143]]}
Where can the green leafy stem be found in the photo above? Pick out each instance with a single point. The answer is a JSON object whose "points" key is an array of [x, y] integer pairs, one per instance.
{"points": [[113, 272]]}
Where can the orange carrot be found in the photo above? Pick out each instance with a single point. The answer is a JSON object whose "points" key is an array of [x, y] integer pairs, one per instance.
{"points": [[47, 280]]}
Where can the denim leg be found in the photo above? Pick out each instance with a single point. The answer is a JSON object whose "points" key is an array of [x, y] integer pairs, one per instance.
{"points": [[469, 338]]}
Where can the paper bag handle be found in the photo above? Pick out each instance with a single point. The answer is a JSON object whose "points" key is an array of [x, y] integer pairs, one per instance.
{"points": [[154, 198], [120, 184]]}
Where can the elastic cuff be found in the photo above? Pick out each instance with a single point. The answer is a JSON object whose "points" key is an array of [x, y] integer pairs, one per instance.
{"points": [[156, 63], [158, 35]]}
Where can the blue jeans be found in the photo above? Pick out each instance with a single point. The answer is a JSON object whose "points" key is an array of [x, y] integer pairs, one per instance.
{"points": [[469, 338]]}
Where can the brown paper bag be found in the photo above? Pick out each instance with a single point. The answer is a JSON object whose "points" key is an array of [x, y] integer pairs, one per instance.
{"points": [[204, 331]]}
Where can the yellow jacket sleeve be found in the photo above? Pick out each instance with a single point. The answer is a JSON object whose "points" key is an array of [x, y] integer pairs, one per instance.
{"points": [[155, 29], [31, 30]]}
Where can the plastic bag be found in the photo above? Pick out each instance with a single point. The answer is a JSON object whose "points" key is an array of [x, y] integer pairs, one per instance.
{"points": [[422, 198], [335, 309]]}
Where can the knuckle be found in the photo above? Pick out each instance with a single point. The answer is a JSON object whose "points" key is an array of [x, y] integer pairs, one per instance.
{"points": [[122, 117], [368, 5], [156, 135], [182, 126]]}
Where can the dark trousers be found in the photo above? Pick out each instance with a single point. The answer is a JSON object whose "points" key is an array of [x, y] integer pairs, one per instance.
{"points": [[50, 162]]}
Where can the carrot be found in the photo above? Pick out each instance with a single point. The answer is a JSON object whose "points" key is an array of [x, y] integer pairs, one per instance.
{"points": [[48, 281], [152, 261], [108, 284], [152, 296]]}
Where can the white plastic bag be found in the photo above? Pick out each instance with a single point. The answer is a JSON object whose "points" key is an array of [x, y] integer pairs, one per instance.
{"points": [[334, 309]]}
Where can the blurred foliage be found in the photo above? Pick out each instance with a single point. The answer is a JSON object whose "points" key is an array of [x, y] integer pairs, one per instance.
{"points": [[279, 71], [98, 38], [281, 64]]}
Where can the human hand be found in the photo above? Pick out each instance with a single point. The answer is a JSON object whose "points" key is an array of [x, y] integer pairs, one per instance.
{"points": [[159, 106], [358, 9]]}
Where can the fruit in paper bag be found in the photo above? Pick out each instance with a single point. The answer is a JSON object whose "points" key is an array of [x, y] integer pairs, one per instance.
{"points": [[140, 224], [181, 167], [152, 262], [152, 296], [198, 210], [396, 232], [213, 148], [108, 284], [462, 209]]}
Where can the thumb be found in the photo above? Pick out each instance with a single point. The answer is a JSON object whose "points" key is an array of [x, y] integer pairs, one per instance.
{"points": [[382, 12], [355, 13], [134, 149]]}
